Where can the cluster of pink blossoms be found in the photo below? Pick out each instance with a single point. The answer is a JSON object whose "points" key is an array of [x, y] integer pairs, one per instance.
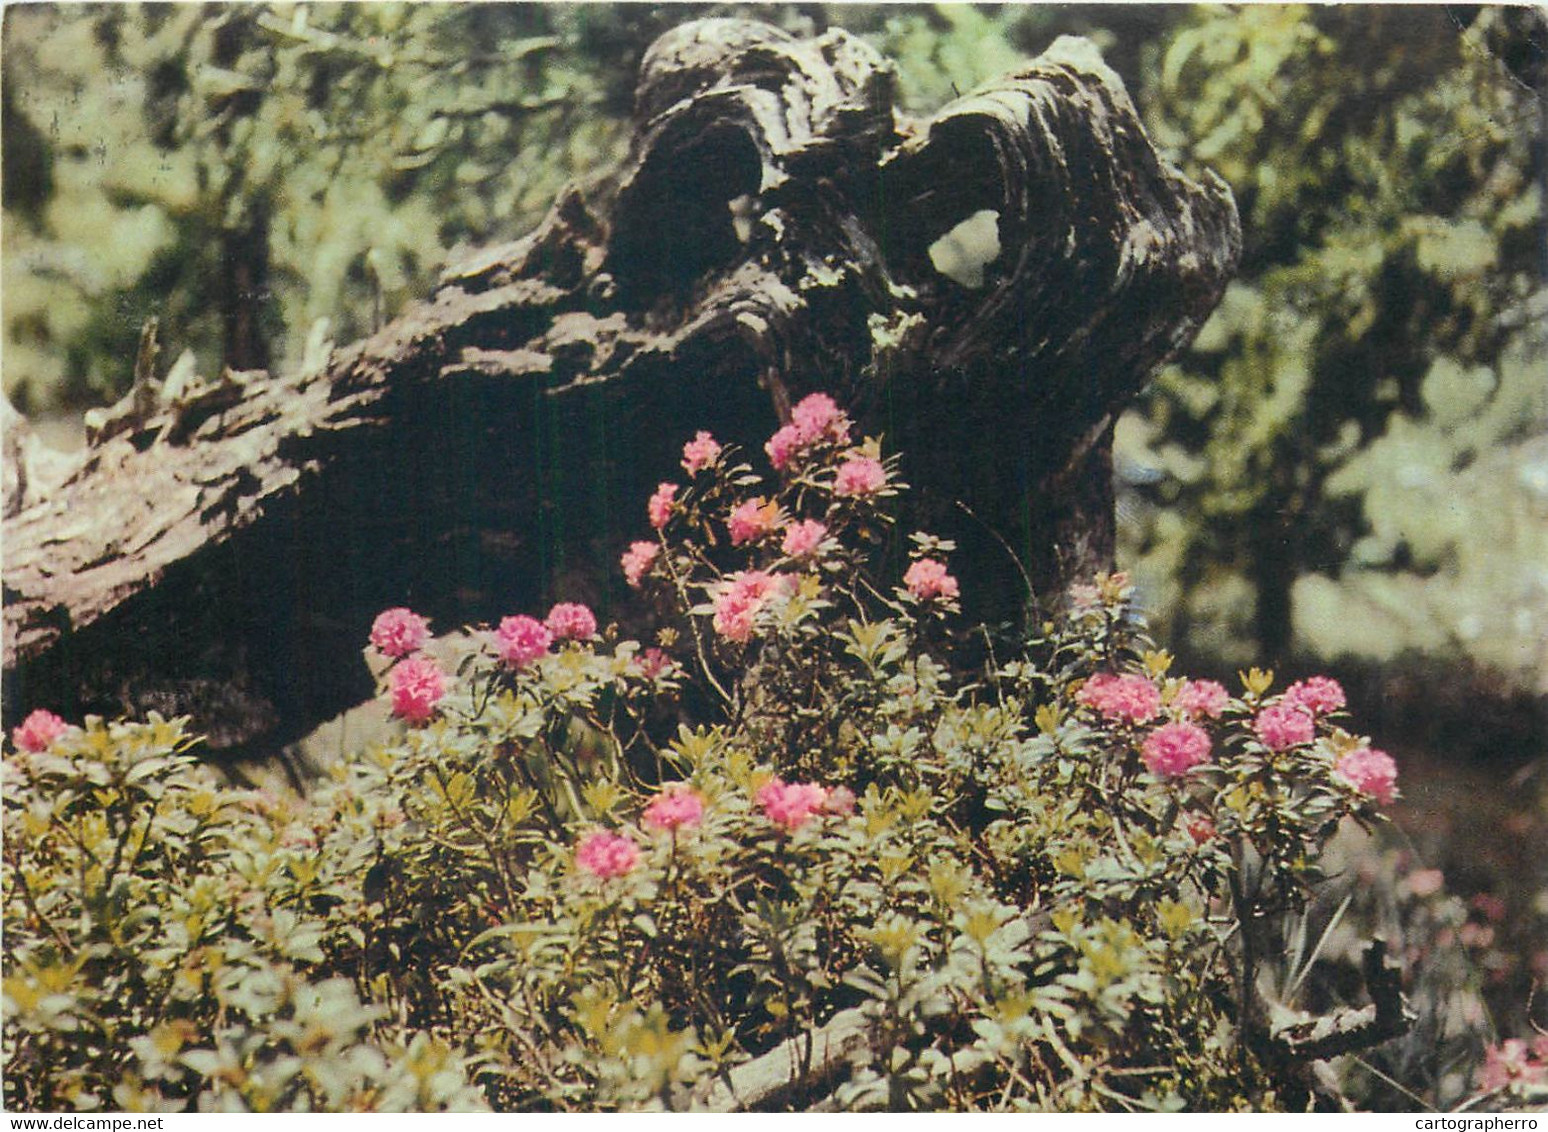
{"points": [[570, 620], [659, 507], [859, 476], [802, 538], [1513, 1062], [740, 599], [417, 685], [654, 663], [1197, 698], [1175, 748], [1318, 695], [399, 632], [638, 559], [699, 453], [1129, 699], [814, 419], [1291, 721], [605, 855], [38, 731], [927, 580], [1369, 771], [1282, 726], [678, 806], [792, 804], [520, 640], [752, 519]]}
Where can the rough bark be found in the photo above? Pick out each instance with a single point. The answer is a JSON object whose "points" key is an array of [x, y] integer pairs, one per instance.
{"points": [[222, 546]]}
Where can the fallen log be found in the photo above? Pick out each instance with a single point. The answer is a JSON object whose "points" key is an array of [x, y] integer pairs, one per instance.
{"points": [[222, 545]]}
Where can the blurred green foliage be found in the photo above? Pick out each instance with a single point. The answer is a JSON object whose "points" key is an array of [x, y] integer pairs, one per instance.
{"points": [[1351, 459], [243, 171]]}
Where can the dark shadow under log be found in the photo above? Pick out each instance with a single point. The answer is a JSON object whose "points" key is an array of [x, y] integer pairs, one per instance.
{"points": [[221, 548]]}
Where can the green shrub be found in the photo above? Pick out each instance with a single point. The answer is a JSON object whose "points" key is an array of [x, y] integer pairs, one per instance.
{"points": [[593, 875]]}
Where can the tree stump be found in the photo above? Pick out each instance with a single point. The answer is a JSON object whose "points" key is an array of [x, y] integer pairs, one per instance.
{"points": [[222, 546]]}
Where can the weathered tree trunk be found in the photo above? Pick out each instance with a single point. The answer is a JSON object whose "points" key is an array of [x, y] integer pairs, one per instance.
{"points": [[221, 548]]}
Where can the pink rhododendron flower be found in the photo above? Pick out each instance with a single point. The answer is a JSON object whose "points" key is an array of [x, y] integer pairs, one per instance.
{"points": [[605, 855], [1200, 827], [1175, 748], [791, 804], [1369, 771], [417, 686], [1508, 1063], [399, 632], [678, 806], [700, 452], [661, 503], [570, 619], [653, 663], [817, 417], [1282, 726], [859, 476], [38, 731], [784, 444], [1201, 697], [802, 538], [741, 599], [1130, 698], [520, 640], [1317, 694], [638, 559], [752, 519], [927, 579]]}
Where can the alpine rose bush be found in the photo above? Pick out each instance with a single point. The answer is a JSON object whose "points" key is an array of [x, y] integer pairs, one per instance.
{"points": [[590, 873]]}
